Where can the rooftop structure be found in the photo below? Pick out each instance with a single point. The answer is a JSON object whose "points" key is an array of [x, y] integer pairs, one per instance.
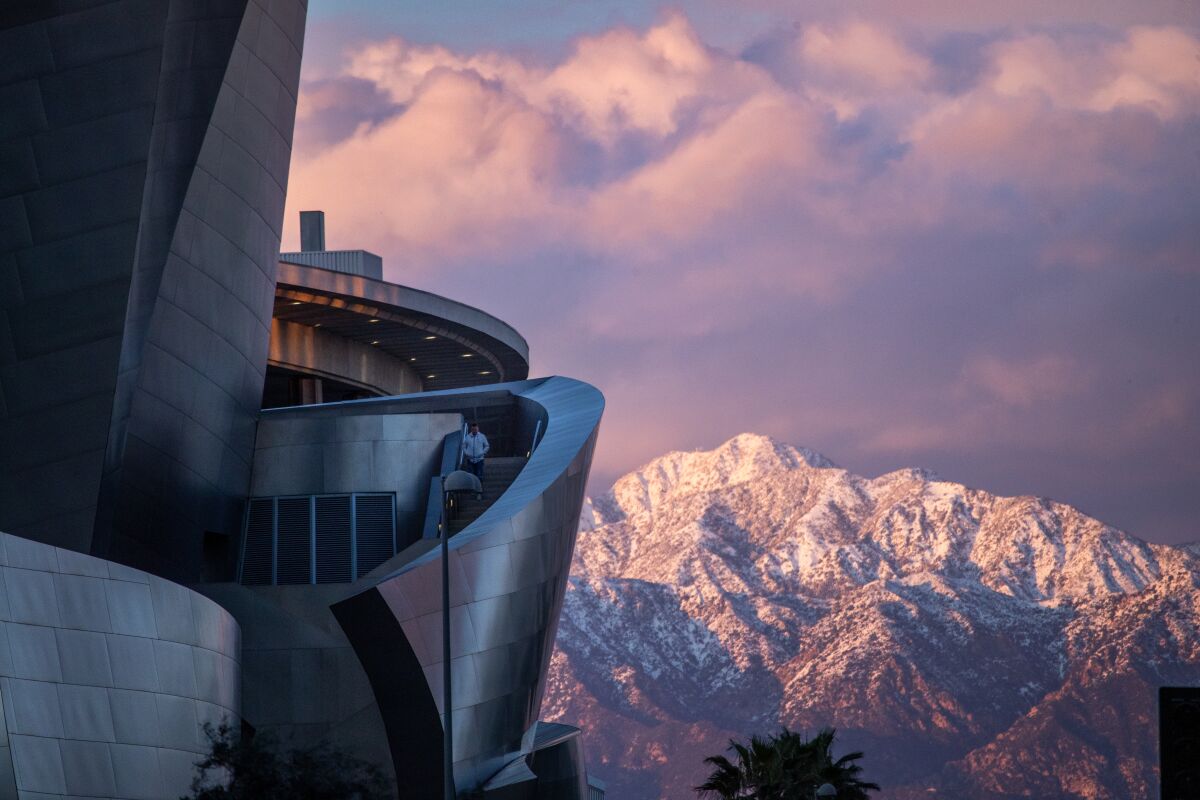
{"points": [[220, 466], [313, 253]]}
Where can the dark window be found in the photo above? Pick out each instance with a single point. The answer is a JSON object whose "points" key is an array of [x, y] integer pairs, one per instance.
{"points": [[317, 539]]}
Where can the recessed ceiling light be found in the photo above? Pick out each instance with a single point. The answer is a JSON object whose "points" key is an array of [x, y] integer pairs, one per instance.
{"points": [[414, 358], [297, 303], [431, 376], [317, 325], [372, 320], [375, 342], [430, 338], [486, 372], [467, 355]]}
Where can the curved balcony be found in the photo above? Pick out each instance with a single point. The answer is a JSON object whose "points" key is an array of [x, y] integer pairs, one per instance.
{"points": [[358, 336], [509, 571], [365, 600]]}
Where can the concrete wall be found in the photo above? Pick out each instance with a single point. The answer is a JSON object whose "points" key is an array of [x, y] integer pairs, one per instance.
{"points": [[304, 348], [356, 452], [107, 675]]}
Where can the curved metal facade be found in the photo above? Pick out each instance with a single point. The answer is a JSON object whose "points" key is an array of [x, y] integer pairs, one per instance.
{"points": [[509, 571], [145, 157], [107, 674]]}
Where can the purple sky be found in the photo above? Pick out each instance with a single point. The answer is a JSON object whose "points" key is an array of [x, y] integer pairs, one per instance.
{"points": [[952, 235]]}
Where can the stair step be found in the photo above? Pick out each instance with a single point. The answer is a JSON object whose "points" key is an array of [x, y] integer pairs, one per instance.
{"points": [[499, 474]]}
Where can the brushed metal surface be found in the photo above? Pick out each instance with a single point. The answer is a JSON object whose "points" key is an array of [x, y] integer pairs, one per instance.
{"points": [[108, 701]]}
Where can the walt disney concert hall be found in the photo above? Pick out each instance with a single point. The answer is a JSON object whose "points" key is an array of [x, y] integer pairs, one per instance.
{"points": [[221, 468]]}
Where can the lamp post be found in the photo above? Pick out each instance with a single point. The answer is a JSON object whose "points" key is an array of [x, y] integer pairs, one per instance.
{"points": [[457, 481], [826, 790]]}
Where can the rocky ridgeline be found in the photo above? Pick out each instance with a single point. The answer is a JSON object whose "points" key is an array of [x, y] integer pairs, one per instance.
{"points": [[973, 645]]}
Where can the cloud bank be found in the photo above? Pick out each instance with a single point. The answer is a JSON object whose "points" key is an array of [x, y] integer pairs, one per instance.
{"points": [[976, 250]]}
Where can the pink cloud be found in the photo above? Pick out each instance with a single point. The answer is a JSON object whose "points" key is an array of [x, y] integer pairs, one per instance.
{"points": [[864, 55], [1022, 383], [818, 244]]}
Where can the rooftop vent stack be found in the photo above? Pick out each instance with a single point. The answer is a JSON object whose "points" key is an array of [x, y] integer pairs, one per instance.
{"points": [[312, 231]]}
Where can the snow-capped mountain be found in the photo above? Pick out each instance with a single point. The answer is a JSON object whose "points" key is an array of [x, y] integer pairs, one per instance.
{"points": [[974, 646]]}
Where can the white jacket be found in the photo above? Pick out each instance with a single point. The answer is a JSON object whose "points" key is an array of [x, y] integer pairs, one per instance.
{"points": [[475, 447]]}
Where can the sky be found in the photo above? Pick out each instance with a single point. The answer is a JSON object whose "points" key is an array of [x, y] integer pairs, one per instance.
{"points": [[956, 235]]}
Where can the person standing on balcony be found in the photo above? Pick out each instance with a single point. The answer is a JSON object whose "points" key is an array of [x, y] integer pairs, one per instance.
{"points": [[475, 449]]}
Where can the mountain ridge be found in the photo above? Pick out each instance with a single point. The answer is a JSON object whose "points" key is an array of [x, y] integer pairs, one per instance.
{"points": [[718, 593]]}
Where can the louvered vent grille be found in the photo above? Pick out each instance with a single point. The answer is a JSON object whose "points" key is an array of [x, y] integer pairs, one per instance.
{"points": [[374, 521], [294, 548], [333, 539], [257, 564], [317, 539]]}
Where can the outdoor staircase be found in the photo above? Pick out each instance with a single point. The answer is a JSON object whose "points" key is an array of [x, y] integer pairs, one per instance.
{"points": [[498, 475]]}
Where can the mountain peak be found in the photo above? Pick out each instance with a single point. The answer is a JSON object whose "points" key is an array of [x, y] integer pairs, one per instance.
{"points": [[937, 626], [744, 458]]}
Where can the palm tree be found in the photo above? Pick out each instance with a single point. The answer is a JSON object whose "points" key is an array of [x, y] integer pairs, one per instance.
{"points": [[785, 766]]}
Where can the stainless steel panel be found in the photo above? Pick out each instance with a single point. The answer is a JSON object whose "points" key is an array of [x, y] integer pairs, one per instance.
{"points": [[82, 602], [134, 716], [26, 554], [71, 563], [176, 668], [84, 657], [86, 713], [88, 769], [173, 611], [130, 608], [133, 663], [177, 767], [5, 611], [31, 596], [35, 707], [34, 652], [136, 772], [38, 764], [215, 629], [489, 572], [177, 723]]}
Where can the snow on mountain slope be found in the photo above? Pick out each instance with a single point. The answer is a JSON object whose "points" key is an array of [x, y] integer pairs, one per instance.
{"points": [[940, 628]]}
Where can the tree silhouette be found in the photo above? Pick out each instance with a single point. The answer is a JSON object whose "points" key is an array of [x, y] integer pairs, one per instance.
{"points": [[249, 767], [785, 766]]}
